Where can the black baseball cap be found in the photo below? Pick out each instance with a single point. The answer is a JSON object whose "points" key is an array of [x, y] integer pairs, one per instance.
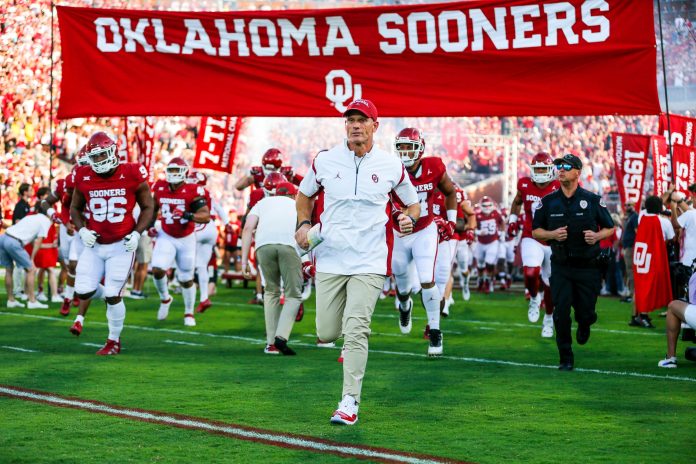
{"points": [[570, 159]]}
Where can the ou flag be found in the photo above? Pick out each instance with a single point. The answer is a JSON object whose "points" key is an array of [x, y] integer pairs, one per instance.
{"points": [[630, 159], [682, 129], [461, 58], [683, 167], [217, 143]]}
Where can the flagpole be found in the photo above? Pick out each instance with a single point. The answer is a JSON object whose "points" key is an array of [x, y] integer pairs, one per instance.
{"points": [[664, 80], [50, 119]]}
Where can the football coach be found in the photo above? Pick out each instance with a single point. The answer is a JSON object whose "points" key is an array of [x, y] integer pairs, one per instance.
{"points": [[573, 221]]}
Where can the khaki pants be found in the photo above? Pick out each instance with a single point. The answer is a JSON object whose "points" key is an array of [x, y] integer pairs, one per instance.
{"points": [[628, 260], [278, 261], [344, 306]]}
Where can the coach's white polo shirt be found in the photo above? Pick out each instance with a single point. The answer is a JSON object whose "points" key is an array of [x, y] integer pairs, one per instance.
{"points": [[277, 220], [355, 221]]}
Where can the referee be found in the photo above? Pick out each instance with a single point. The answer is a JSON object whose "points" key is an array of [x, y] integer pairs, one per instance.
{"points": [[573, 221]]}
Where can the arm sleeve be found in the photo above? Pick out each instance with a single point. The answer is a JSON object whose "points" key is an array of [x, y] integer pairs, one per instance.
{"points": [[539, 215], [310, 184], [405, 189]]}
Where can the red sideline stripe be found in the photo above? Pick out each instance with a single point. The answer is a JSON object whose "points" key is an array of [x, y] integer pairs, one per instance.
{"points": [[240, 432]]}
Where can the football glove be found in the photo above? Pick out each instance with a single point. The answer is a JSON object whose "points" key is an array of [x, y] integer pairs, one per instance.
{"points": [[152, 232], [469, 235], [308, 270], [131, 241], [88, 237]]}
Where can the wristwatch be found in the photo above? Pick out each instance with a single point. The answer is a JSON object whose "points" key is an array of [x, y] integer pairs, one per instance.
{"points": [[303, 223]]}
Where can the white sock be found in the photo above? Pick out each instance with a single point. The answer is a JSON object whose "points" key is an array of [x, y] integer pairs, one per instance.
{"points": [[431, 301], [203, 281], [80, 319], [189, 295], [259, 296], [98, 293], [115, 314], [162, 288], [69, 292]]}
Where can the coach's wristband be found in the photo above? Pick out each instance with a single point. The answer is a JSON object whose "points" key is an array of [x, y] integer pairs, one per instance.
{"points": [[303, 223]]}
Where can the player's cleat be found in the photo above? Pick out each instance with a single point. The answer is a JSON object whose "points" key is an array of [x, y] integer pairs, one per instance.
{"points": [[203, 305], [163, 310], [669, 363], [271, 349], [189, 320], [533, 311], [300, 313], [435, 346], [306, 290], [347, 412], [256, 301], [137, 295], [75, 301], [15, 304], [466, 293], [445, 310], [405, 317], [340, 356], [111, 347], [76, 328], [283, 347], [383, 295], [36, 305], [323, 344], [547, 326], [65, 307]]}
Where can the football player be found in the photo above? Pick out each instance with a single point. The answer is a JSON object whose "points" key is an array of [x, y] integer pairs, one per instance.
{"points": [[536, 255], [181, 206], [489, 224], [206, 238], [271, 161], [426, 174], [110, 233], [466, 227]]}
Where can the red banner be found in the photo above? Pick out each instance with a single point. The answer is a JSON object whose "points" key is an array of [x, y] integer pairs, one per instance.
{"points": [[145, 141], [662, 165], [465, 58], [653, 285], [682, 129], [217, 143], [683, 167], [630, 159]]}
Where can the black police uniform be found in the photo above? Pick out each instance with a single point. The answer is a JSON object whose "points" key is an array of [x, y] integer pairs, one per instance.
{"points": [[575, 276]]}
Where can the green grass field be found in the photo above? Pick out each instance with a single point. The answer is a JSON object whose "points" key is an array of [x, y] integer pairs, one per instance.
{"points": [[495, 397]]}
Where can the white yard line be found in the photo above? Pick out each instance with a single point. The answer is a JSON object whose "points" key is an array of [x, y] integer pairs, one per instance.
{"points": [[177, 342], [16, 348], [258, 341], [96, 345], [267, 437]]}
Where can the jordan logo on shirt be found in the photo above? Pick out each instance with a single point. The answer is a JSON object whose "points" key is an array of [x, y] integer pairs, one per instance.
{"points": [[338, 176]]}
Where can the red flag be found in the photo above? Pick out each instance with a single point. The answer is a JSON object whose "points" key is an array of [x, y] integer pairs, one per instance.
{"points": [[145, 141], [683, 167], [662, 166], [217, 143], [631, 159], [653, 286], [682, 129], [464, 58]]}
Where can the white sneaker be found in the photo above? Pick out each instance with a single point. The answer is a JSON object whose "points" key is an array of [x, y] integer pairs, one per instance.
{"points": [[306, 290], [604, 292], [533, 312], [189, 320], [405, 317], [347, 412], [21, 296], [547, 327], [382, 295], [41, 296], [56, 299], [15, 304], [36, 305], [466, 293], [670, 363], [322, 344], [163, 310]]}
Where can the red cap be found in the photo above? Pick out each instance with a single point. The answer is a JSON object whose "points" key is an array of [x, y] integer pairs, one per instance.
{"points": [[363, 106], [286, 189]]}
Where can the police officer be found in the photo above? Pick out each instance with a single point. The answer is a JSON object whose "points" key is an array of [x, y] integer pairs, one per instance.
{"points": [[573, 221]]}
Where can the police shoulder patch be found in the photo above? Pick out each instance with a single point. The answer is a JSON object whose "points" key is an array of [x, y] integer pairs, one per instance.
{"points": [[602, 203]]}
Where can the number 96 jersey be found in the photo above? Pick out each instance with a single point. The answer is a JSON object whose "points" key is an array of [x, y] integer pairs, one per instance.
{"points": [[110, 200]]}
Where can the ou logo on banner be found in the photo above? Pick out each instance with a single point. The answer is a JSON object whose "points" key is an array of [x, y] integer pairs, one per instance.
{"points": [[641, 257], [340, 88]]}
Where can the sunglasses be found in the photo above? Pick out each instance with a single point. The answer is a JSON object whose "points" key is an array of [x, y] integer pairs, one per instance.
{"points": [[565, 166]]}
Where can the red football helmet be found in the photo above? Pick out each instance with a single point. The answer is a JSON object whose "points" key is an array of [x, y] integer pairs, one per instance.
{"points": [[81, 156], [197, 177], [176, 170], [100, 144], [409, 145], [487, 205], [272, 182], [542, 168], [272, 160]]}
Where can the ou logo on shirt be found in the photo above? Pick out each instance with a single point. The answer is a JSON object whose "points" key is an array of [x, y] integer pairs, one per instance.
{"points": [[340, 89], [641, 257]]}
